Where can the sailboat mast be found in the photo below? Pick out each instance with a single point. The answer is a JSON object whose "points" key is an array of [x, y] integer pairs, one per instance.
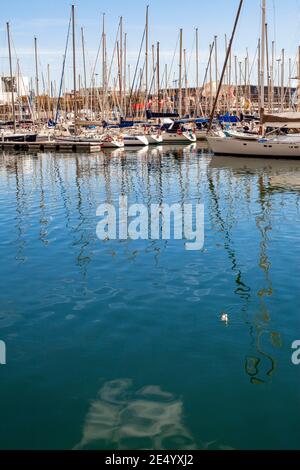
{"points": [[125, 74], [225, 64], [282, 80], [11, 77], [258, 74], [49, 90], [147, 49], [37, 80], [197, 72], [298, 88], [268, 67], [103, 53], [272, 75], [84, 66], [216, 61], [290, 83], [121, 63], [185, 83], [262, 65], [158, 74], [74, 69], [180, 76]]}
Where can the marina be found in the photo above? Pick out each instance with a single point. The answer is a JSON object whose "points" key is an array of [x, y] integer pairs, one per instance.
{"points": [[150, 201], [226, 109]]}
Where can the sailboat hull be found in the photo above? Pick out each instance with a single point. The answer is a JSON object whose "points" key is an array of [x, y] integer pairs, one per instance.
{"points": [[262, 148], [177, 138], [154, 139], [135, 141]]}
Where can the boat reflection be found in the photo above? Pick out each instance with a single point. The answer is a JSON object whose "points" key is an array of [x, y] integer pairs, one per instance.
{"points": [[261, 365], [78, 183], [279, 175]]}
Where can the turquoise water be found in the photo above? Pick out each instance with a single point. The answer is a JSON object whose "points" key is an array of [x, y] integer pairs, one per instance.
{"points": [[120, 344]]}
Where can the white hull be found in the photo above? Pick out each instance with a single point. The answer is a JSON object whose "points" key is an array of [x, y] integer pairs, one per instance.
{"points": [[154, 139], [135, 141], [174, 138], [112, 145], [263, 148], [201, 135]]}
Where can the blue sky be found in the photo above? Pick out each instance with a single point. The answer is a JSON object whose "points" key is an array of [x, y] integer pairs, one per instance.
{"points": [[48, 21]]}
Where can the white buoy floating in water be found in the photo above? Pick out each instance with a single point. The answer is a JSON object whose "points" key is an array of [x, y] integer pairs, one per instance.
{"points": [[224, 318]]}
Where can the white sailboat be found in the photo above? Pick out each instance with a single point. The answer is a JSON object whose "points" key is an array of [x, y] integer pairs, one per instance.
{"points": [[135, 140], [241, 144], [276, 147], [109, 141], [154, 139], [176, 134]]}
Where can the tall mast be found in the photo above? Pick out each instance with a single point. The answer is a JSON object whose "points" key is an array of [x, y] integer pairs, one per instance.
{"points": [[37, 80], [298, 88], [180, 76], [210, 79], [103, 53], [272, 75], [225, 64], [185, 83], [74, 69], [216, 61], [268, 67], [197, 72], [236, 82], [166, 88], [158, 73], [11, 77], [282, 81], [226, 78], [125, 72], [104, 86], [153, 69], [49, 90], [121, 62], [248, 76], [84, 66], [262, 65], [147, 48], [258, 74], [18, 90], [290, 83]]}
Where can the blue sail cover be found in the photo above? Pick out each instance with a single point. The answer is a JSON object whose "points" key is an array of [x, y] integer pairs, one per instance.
{"points": [[151, 115], [229, 119]]}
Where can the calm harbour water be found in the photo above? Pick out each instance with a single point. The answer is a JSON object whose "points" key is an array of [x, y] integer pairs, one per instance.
{"points": [[119, 344]]}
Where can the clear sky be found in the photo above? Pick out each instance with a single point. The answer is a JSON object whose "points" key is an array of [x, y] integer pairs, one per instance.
{"points": [[48, 20]]}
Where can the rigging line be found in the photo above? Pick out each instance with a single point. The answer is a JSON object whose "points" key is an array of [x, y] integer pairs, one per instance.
{"points": [[63, 71], [253, 63], [96, 61], [113, 56], [136, 68], [275, 26], [22, 78], [172, 63], [190, 56], [139, 84]]}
